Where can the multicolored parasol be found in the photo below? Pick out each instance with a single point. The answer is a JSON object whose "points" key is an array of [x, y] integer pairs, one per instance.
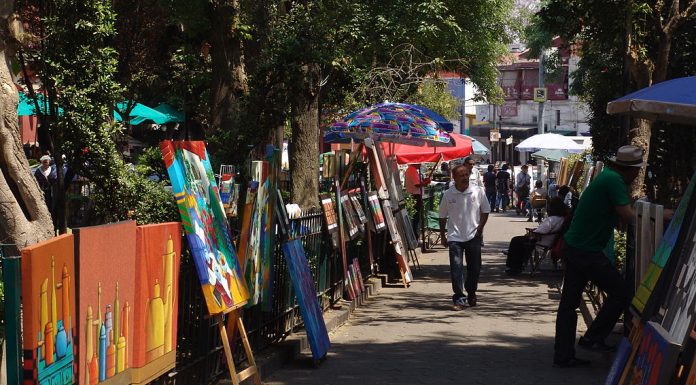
{"points": [[393, 122]]}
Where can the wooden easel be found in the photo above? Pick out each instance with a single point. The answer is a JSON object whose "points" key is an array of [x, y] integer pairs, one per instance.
{"points": [[238, 377]]}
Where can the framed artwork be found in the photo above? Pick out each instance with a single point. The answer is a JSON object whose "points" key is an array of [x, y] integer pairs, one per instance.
{"points": [[105, 264], [306, 293], [355, 199], [50, 321], [205, 225], [408, 233], [378, 174], [376, 212], [622, 354], [349, 216], [327, 206], [406, 275], [668, 245], [655, 359], [158, 254]]}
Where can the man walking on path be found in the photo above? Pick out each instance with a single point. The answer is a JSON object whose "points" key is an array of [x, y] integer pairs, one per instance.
{"points": [[603, 202], [489, 185], [503, 188], [467, 208], [522, 186]]}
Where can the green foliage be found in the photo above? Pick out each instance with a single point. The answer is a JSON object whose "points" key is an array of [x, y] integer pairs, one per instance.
{"points": [[150, 162], [435, 95], [619, 248]]}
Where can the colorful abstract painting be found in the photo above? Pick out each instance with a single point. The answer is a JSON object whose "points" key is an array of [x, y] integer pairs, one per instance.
{"points": [[49, 322], [329, 210], [664, 250], [622, 354], [376, 211], [205, 225], [158, 253], [306, 293], [655, 359], [105, 264], [357, 207]]}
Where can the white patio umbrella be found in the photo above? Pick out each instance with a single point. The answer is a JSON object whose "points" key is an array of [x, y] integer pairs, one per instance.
{"points": [[549, 142]]}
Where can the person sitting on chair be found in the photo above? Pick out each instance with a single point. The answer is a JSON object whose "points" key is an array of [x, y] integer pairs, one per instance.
{"points": [[521, 247], [539, 193]]}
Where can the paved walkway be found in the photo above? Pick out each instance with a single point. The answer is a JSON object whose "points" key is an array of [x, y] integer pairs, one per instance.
{"points": [[411, 336]]}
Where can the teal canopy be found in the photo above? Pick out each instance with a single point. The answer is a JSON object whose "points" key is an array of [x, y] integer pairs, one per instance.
{"points": [[478, 147], [26, 106], [171, 112], [141, 113], [551, 155]]}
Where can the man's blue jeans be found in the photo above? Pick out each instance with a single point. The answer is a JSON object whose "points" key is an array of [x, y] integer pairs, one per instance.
{"points": [[502, 200], [471, 250]]}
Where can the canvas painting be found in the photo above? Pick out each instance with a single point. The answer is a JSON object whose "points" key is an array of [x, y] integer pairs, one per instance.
{"points": [[378, 175], [349, 216], [410, 236], [158, 254], [622, 353], [357, 207], [376, 210], [677, 309], [105, 264], [656, 357], [397, 243], [664, 250], [205, 225], [49, 322], [306, 293], [329, 210]]}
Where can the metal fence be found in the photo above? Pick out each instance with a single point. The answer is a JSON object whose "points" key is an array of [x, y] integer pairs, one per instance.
{"points": [[200, 357]]}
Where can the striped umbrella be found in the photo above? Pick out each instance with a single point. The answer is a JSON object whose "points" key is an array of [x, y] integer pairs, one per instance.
{"points": [[393, 122]]}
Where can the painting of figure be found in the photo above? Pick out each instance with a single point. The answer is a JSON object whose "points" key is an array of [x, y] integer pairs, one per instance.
{"points": [[205, 225], [49, 322]]}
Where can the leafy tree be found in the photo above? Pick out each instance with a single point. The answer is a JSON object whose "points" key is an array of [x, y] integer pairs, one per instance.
{"points": [[625, 45]]}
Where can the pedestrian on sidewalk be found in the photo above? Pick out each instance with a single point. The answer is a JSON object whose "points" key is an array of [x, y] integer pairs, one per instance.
{"points": [[414, 183], [503, 189], [464, 211], [603, 203], [522, 187], [489, 184]]}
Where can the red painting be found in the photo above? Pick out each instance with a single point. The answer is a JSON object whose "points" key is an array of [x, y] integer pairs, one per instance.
{"points": [[156, 300], [105, 258]]}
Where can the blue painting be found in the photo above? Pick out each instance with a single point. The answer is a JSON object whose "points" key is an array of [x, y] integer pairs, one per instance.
{"points": [[303, 285]]}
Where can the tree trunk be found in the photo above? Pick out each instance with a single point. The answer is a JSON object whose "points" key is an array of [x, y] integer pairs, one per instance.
{"points": [[640, 136], [229, 79], [24, 217], [304, 152]]}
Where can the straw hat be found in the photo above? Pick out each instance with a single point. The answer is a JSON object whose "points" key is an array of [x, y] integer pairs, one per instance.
{"points": [[629, 156]]}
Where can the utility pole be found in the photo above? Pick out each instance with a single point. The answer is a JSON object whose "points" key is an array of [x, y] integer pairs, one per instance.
{"points": [[462, 125], [540, 120]]}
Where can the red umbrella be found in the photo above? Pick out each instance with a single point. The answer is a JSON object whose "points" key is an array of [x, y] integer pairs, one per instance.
{"points": [[406, 153]]}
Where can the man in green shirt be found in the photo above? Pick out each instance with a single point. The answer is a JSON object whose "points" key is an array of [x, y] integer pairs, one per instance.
{"points": [[603, 203]]}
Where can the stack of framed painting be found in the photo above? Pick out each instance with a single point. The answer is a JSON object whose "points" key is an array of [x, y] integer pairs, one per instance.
{"points": [[664, 307], [377, 216]]}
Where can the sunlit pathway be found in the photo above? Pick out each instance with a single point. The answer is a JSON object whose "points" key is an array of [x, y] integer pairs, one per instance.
{"points": [[411, 336]]}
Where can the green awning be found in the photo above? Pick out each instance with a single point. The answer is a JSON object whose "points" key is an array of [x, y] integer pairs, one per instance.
{"points": [[141, 113], [171, 112], [551, 155]]}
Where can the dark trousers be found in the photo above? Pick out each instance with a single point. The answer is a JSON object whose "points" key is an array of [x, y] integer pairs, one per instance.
{"points": [[416, 220], [581, 267], [471, 250], [491, 195], [519, 251]]}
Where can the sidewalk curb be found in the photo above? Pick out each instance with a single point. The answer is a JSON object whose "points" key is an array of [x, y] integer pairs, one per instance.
{"points": [[273, 358]]}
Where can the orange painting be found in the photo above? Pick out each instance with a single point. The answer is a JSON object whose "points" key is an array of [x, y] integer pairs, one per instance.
{"points": [[48, 292], [156, 300], [106, 280]]}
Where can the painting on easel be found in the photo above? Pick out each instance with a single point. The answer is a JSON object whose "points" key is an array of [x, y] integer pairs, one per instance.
{"points": [[205, 225], [49, 322]]}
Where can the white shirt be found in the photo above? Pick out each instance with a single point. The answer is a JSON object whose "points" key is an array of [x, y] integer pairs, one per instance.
{"points": [[475, 177], [548, 230], [464, 209]]}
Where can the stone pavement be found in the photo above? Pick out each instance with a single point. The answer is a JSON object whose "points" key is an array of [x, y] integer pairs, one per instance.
{"points": [[411, 336]]}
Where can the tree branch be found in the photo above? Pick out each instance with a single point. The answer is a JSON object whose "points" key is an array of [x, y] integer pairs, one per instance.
{"points": [[677, 18]]}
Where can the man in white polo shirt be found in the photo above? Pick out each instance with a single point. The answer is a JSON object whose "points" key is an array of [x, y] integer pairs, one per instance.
{"points": [[467, 208]]}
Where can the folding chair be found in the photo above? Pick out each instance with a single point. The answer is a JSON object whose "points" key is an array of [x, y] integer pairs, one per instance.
{"points": [[539, 208], [542, 252], [432, 217]]}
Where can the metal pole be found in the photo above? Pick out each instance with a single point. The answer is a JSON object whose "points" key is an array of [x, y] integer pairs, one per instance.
{"points": [[463, 129], [540, 121], [13, 286]]}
